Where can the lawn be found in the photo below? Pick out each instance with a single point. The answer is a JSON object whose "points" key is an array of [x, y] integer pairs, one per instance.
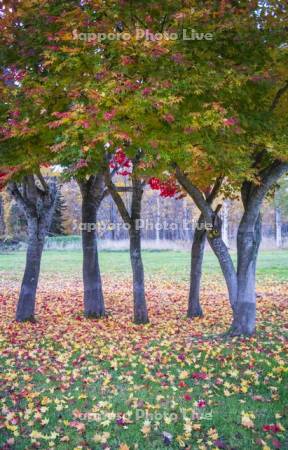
{"points": [[71, 383], [272, 264]]}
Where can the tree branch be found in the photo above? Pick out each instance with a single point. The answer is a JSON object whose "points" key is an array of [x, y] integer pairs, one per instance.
{"points": [[117, 198], [195, 193], [272, 175], [215, 190], [278, 96], [139, 155], [136, 199], [15, 192], [42, 181]]}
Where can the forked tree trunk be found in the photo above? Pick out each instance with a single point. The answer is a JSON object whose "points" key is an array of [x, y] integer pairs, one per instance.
{"points": [[133, 220], [92, 194], [241, 285], [140, 307], [197, 255], [38, 206], [248, 243]]}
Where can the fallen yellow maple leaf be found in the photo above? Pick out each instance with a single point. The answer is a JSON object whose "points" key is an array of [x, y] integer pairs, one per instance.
{"points": [[123, 447], [247, 421]]}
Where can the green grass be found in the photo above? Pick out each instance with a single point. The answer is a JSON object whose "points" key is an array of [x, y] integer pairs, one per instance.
{"points": [[271, 264], [55, 374], [98, 370]]}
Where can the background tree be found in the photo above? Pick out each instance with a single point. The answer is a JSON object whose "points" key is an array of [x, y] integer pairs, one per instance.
{"points": [[2, 221], [57, 226]]}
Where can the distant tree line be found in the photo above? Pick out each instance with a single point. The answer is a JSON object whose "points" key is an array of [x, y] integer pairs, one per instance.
{"points": [[162, 220]]}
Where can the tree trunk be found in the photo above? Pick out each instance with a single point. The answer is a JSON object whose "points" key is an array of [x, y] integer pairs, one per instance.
{"points": [[26, 304], [225, 223], [132, 220], [197, 255], [38, 205], [222, 253], [140, 307], [278, 226], [2, 219], [92, 194], [158, 221], [244, 314]]}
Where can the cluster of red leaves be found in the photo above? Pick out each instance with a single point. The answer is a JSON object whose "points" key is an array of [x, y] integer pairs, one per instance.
{"points": [[121, 163], [274, 428], [15, 127], [168, 188]]}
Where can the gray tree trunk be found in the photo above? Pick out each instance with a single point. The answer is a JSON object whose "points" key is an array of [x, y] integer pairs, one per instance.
{"points": [[140, 307], [133, 221], [248, 243], [197, 255], [225, 222], [222, 253], [278, 226], [2, 219], [27, 299], [158, 221], [241, 285], [38, 205], [92, 194]]}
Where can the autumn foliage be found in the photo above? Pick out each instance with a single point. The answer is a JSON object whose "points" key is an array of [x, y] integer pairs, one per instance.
{"points": [[70, 382]]}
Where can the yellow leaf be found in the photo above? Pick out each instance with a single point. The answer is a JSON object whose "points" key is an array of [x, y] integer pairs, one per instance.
{"points": [[247, 422], [146, 429], [183, 375], [123, 447]]}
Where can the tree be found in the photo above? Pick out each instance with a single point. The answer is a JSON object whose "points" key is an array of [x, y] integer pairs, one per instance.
{"points": [[38, 202], [2, 221], [224, 119], [57, 225], [92, 191], [280, 207], [220, 114], [197, 255], [120, 164], [49, 130]]}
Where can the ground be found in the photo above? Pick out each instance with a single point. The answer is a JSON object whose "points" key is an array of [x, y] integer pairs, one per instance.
{"points": [[71, 383]]}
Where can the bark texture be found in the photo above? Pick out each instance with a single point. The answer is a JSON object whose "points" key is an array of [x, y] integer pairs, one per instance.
{"points": [[92, 191], [37, 199], [197, 255], [241, 284], [211, 218], [278, 226], [248, 243], [132, 219], [222, 253], [140, 307]]}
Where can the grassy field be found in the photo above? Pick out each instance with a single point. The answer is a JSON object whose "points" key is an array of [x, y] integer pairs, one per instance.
{"points": [[272, 264], [69, 383]]}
